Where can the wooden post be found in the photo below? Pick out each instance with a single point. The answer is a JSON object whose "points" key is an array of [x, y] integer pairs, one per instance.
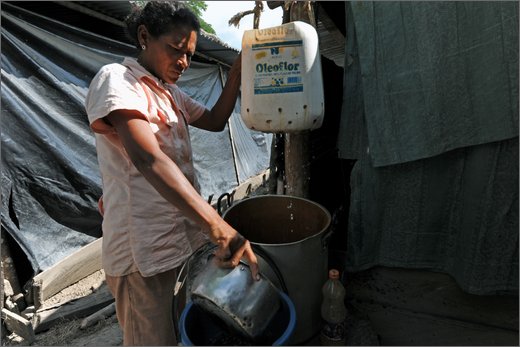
{"points": [[297, 164], [297, 154], [276, 165]]}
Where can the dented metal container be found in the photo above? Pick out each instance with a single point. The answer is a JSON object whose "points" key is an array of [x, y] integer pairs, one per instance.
{"points": [[243, 304], [282, 83]]}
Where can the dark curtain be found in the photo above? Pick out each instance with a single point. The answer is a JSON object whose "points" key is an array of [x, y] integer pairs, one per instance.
{"points": [[430, 112]]}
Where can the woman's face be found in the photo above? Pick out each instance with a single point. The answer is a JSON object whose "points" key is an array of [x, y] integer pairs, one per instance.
{"points": [[168, 55]]}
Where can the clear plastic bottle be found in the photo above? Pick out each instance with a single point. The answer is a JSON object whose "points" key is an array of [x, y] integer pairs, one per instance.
{"points": [[333, 311]]}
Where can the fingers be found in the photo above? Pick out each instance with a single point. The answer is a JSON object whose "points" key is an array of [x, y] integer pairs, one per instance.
{"points": [[252, 261], [236, 255], [222, 252], [232, 247], [237, 243], [232, 250], [245, 251]]}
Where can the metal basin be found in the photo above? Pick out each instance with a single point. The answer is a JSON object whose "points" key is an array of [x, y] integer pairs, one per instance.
{"points": [[245, 305], [294, 233]]}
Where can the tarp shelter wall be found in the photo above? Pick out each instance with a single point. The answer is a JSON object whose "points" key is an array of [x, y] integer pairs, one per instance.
{"points": [[50, 178]]}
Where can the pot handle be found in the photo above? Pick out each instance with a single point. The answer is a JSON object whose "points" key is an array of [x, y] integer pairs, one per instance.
{"points": [[229, 202], [325, 239], [333, 224]]}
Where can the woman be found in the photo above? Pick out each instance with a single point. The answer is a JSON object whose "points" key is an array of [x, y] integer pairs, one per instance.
{"points": [[154, 217]]}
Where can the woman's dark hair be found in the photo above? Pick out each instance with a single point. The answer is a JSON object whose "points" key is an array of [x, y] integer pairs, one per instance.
{"points": [[159, 17]]}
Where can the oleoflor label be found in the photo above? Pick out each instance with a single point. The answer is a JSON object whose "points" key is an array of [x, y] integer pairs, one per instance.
{"points": [[278, 67]]}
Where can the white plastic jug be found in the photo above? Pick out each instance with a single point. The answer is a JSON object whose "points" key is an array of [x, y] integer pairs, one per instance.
{"points": [[282, 84]]}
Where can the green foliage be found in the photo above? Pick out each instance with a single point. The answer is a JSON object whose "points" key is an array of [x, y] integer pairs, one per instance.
{"points": [[198, 7]]}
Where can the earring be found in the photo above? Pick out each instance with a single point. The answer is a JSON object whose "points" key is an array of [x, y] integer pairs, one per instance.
{"points": [[143, 47]]}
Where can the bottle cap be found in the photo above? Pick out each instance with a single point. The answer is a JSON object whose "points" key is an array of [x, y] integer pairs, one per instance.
{"points": [[333, 274]]}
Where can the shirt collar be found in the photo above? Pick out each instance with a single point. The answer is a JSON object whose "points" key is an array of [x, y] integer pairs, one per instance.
{"points": [[141, 72]]}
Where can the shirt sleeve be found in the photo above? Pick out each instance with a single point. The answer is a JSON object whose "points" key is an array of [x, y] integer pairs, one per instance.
{"points": [[113, 88], [190, 106]]}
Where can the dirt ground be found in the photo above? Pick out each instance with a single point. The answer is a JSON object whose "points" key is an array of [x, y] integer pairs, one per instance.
{"points": [[105, 332]]}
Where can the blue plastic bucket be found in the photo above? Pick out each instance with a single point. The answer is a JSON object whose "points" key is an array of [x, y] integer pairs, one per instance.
{"points": [[198, 328]]}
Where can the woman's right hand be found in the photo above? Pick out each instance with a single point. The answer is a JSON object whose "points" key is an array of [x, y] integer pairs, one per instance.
{"points": [[232, 247]]}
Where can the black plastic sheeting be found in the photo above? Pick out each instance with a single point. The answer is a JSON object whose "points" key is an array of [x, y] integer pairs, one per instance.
{"points": [[49, 179]]}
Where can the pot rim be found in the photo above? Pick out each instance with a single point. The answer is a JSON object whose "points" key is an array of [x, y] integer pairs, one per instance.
{"points": [[259, 197]]}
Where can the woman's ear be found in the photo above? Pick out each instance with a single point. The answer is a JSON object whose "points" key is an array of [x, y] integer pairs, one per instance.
{"points": [[142, 35]]}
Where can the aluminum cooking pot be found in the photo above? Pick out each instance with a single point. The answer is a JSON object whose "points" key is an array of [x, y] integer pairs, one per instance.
{"points": [[245, 305]]}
